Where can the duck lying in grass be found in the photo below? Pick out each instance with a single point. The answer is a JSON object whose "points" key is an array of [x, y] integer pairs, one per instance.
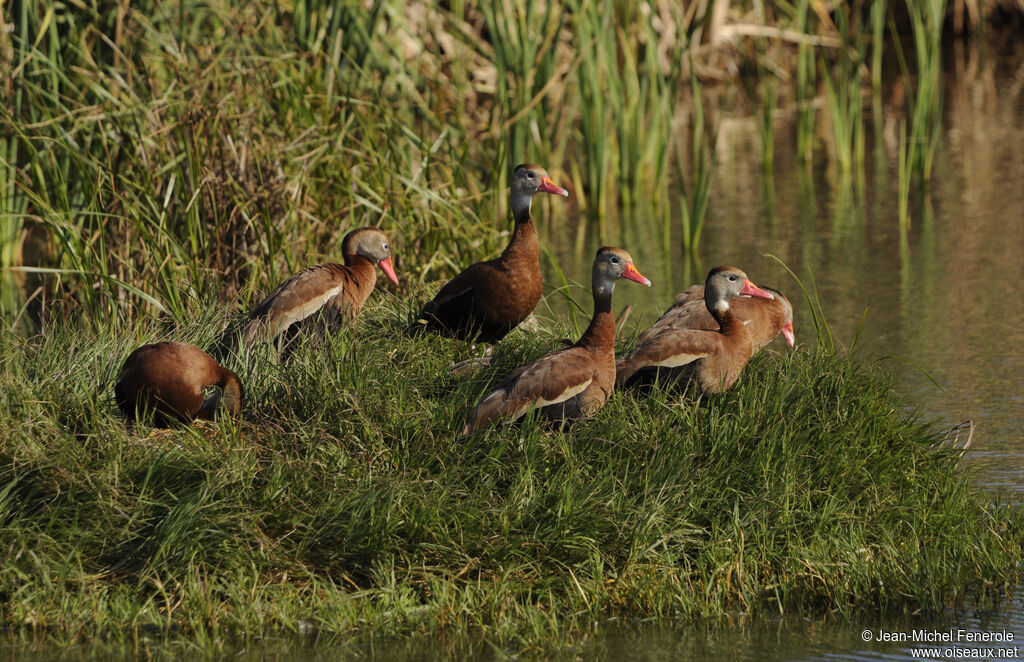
{"points": [[712, 358], [765, 318], [170, 379], [572, 382]]}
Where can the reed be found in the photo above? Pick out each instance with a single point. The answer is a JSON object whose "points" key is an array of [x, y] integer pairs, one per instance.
{"points": [[647, 82], [701, 164], [762, 90], [140, 190], [877, 21], [805, 91], [346, 28], [843, 85], [924, 99], [525, 38], [594, 30]]}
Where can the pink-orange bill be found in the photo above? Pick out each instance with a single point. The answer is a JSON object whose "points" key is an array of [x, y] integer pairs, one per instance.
{"points": [[386, 267], [548, 186], [634, 275], [752, 290]]}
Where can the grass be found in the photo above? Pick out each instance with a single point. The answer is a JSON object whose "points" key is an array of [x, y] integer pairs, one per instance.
{"points": [[843, 85], [341, 501], [696, 196]]}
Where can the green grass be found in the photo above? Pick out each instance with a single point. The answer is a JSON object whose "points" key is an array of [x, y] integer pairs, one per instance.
{"points": [[342, 502]]}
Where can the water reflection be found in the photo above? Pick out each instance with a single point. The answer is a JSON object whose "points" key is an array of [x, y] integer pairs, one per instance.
{"points": [[943, 294]]}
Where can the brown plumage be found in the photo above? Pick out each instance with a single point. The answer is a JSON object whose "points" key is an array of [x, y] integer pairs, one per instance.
{"points": [[335, 291], [712, 358], [168, 379], [489, 299], [764, 318], [572, 382]]}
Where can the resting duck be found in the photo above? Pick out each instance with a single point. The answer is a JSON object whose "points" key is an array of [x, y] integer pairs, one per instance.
{"points": [[764, 318], [714, 359], [168, 378], [571, 382], [489, 299], [334, 290]]}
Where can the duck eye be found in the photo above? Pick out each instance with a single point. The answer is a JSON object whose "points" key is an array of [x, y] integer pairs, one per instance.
{"points": [[386, 247], [531, 174], [614, 260]]}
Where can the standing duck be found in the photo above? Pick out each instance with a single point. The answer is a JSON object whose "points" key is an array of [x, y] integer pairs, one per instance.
{"points": [[489, 299], [335, 291], [169, 379], [764, 318], [714, 359], [571, 382]]}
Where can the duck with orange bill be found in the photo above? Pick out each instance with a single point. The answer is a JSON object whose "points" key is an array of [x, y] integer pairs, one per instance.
{"points": [[713, 359], [570, 383]]}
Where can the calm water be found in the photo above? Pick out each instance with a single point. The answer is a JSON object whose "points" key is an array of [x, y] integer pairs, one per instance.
{"points": [[947, 298]]}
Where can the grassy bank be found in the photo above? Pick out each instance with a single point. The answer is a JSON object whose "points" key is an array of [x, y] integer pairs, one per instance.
{"points": [[342, 503]]}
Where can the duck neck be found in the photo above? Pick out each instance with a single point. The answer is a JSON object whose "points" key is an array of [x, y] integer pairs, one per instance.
{"points": [[600, 335], [362, 268], [521, 208], [524, 244], [729, 324]]}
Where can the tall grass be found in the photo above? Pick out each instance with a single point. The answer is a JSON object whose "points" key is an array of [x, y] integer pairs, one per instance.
{"points": [[805, 88], [153, 149], [925, 98], [525, 38], [701, 164], [843, 93]]}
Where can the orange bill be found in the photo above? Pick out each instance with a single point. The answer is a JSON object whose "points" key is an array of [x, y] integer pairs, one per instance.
{"points": [[788, 334], [634, 275], [386, 267], [548, 186], [751, 290]]}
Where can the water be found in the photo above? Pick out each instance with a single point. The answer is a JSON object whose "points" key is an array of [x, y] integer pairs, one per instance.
{"points": [[941, 305], [945, 298]]}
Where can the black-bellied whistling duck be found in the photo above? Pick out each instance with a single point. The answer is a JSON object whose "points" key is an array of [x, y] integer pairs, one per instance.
{"points": [[168, 379], [336, 291], [489, 299], [765, 318], [714, 359], [571, 382]]}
